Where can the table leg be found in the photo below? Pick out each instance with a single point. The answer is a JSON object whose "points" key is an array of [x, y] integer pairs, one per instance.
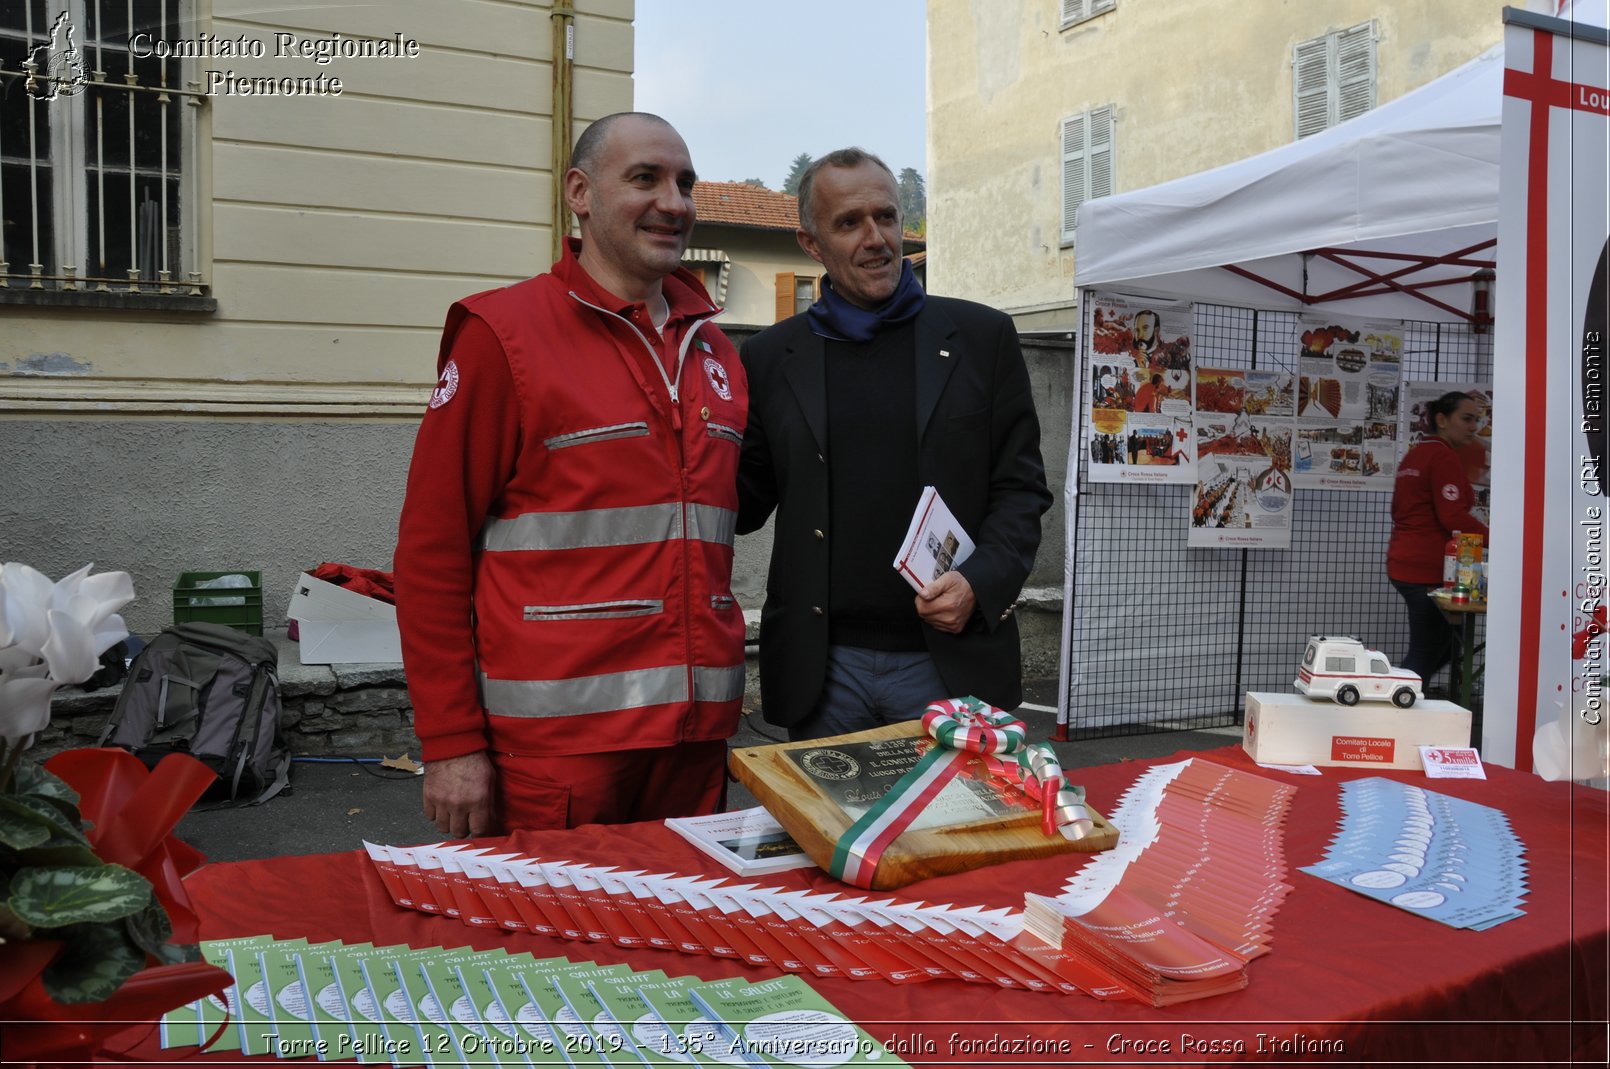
{"points": [[1467, 675]]}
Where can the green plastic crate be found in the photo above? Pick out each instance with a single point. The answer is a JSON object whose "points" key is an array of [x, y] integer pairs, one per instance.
{"points": [[238, 607]]}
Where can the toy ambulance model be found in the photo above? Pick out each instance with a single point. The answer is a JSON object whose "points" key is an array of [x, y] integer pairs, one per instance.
{"points": [[1344, 670]]}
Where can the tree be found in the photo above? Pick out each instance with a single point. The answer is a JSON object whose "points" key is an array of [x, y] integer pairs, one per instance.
{"points": [[756, 182], [795, 173], [913, 200]]}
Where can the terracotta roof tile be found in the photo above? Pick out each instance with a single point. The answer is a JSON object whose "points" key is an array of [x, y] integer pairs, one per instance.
{"points": [[737, 204]]}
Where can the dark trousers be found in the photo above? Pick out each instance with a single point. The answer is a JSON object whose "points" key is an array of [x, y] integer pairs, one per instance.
{"points": [[1432, 639]]}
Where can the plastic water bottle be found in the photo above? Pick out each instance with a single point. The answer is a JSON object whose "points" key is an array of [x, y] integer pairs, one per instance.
{"points": [[1450, 562]]}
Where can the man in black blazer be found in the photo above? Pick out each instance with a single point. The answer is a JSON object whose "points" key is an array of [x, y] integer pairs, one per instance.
{"points": [[854, 406]]}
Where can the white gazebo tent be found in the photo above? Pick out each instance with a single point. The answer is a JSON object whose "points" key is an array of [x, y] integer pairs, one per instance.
{"points": [[1391, 215], [1390, 191]]}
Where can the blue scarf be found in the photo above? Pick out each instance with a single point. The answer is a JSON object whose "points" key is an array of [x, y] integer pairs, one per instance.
{"points": [[837, 319]]}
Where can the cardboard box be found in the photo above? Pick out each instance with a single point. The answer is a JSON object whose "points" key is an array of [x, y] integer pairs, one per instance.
{"points": [[1289, 729], [338, 626]]}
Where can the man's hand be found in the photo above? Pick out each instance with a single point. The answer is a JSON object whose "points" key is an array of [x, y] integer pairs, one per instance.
{"points": [[947, 603], [458, 795]]}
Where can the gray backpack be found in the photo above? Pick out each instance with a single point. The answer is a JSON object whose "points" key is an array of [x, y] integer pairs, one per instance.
{"points": [[212, 692]]}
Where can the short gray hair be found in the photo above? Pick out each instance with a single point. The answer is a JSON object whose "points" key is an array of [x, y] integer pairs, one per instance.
{"points": [[590, 145], [844, 157]]}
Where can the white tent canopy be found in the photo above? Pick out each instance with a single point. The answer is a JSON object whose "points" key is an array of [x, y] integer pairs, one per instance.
{"points": [[1416, 176]]}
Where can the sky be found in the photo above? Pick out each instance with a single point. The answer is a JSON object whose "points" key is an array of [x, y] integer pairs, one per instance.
{"points": [[751, 84]]}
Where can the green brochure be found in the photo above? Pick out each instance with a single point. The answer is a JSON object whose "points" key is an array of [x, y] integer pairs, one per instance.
{"points": [[489, 1035], [328, 1013], [289, 1011], [784, 1022], [446, 1000], [535, 1036], [415, 1001], [362, 1013], [695, 1037], [544, 1002], [257, 1017], [224, 1009], [178, 1027], [405, 1035], [657, 1042], [609, 1037]]}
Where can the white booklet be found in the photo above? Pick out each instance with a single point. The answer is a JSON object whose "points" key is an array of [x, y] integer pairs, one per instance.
{"points": [[935, 542], [747, 841]]}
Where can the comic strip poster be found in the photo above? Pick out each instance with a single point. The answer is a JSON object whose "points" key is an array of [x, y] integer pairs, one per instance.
{"points": [[1416, 424], [1243, 428], [1140, 390], [1349, 381]]}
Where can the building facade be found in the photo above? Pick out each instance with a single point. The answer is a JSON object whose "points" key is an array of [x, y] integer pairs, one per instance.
{"points": [[231, 235], [1035, 106], [745, 250]]}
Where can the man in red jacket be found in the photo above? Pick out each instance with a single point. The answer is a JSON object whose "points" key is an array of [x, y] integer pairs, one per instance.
{"points": [[564, 556]]}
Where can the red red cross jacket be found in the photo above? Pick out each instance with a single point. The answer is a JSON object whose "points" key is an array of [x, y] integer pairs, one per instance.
{"points": [[564, 556]]}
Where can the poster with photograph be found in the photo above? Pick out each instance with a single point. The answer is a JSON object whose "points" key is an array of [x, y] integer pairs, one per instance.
{"points": [[1349, 384], [1416, 424], [1140, 390], [1243, 429]]}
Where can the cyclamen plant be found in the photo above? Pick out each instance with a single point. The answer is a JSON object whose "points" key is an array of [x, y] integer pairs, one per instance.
{"points": [[52, 883], [96, 930], [51, 634]]}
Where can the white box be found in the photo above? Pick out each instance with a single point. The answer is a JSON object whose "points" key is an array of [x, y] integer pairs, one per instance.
{"points": [[338, 626], [1289, 729]]}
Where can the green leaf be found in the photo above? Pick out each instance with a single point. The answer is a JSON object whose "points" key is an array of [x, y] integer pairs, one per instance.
{"points": [[32, 778], [149, 928], [57, 853], [53, 897], [11, 926], [18, 813], [93, 964], [18, 831]]}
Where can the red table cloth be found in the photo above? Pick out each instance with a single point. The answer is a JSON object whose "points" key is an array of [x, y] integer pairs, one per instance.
{"points": [[1349, 979]]}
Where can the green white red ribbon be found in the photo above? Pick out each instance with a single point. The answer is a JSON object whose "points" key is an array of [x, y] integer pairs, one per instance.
{"points": [[962, 727]]}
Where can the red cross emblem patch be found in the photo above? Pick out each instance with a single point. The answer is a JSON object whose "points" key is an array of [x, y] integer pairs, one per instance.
{"points": [[718, 378]]}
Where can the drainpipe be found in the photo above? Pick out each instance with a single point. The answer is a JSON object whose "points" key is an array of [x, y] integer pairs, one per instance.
{"points": [[562, 16]]}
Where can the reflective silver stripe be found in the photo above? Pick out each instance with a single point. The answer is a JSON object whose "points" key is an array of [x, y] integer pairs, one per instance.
{"points": [[586, 694], [712, 523], [598, 434], [721, 430], [722, 601], [629, 526], [595, 610], [718, 684]]}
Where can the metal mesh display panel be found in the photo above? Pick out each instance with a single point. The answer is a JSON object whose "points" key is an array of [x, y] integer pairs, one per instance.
{"points": [[1165, 637]]}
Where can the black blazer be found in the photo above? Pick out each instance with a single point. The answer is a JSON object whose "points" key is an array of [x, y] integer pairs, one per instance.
{"points": [[978, 443]]}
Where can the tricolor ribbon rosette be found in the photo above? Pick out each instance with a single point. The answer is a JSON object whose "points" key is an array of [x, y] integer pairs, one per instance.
{"points": [[962, 727]]}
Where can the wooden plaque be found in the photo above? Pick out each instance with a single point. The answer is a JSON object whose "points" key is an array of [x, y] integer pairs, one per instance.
{"points": [[818, 788]]}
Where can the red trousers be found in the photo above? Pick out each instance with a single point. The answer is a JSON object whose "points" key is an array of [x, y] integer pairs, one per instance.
{"points": [[538, 793]]}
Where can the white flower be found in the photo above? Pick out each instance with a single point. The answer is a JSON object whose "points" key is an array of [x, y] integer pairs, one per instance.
{"points": [[51, 634]]}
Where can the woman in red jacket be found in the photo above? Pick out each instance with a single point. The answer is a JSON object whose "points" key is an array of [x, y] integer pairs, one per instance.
{"points": [[1430, 501]]}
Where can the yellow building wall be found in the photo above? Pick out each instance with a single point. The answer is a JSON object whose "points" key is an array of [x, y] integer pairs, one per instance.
{"points": [[756, 258], [336, 230], [1195, 84]]}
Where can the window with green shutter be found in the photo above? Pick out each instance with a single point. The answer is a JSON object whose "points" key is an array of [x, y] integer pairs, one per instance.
{"points": [[1333, 79], [1087, 146]]}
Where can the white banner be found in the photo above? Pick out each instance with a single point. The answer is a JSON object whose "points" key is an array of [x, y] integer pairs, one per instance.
{"points": [[1547, 571]]}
